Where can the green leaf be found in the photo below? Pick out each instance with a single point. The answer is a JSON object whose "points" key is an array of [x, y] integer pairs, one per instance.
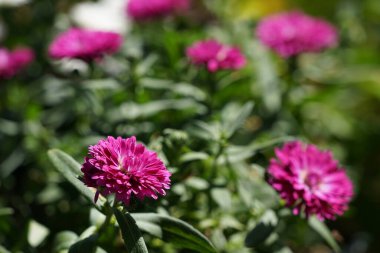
{"points": [[206, 131], [87, 245], [36, 233], [267, 77], [132, 237], [263, 230], [261, 145], [13, 161], [70, 169], [146, 65], [64, 240], [197, 183], [131, 110], [6, 211], [222, 197], [4, 250], [321, 228], [176, 231], [183, 89], [104, 84], [194, 156], [233, 117], [283, 250]]}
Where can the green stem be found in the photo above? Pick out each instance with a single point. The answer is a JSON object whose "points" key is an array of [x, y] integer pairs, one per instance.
{"points": [[109, 215], [212, 89], [213, 174], [290, 78]]}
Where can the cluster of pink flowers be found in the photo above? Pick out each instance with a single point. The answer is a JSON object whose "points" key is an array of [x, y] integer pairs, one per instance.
{"points": [[215, 56], [293, 33], [85, 44], [310, 180], [11, 62], [125, 168], [149, 9]]}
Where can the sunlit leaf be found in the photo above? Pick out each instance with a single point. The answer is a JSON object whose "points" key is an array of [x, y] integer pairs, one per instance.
{"points": [[177, 232], [70, 169], [63, 241], [324, 232], [233, 117], [132, 237], [36, 233]]}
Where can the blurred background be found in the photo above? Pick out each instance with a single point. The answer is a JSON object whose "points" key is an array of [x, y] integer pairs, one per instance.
{"points": [[337, 104]]}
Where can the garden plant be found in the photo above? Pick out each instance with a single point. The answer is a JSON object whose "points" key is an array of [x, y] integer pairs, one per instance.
{"points": [[189, 126]]}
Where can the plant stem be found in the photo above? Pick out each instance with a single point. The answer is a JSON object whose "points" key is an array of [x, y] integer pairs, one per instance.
{"points": [[107, 221]]}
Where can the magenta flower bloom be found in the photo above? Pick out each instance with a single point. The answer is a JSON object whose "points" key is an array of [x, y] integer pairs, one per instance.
{"points": [[85, 44], [11, 62], [150, 9], [123, 167], [215, 56], [310, 180], [294, 33]]}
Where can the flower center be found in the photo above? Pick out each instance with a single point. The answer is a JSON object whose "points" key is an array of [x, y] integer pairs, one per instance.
{"points": [[311, 179]]}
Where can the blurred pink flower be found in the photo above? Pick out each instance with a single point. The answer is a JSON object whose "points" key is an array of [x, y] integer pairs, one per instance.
{"points": [[123, 167], [294, 32], [310, 180], [85, 44], [12, 62], [148, 9], [215, 56]]}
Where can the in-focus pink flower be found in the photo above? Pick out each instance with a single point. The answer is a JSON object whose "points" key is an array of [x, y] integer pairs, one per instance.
{"points": [[150, 9], [85, 44], [11, 62], [215, 56], [294, 32], [128, 169], [310, 180]]}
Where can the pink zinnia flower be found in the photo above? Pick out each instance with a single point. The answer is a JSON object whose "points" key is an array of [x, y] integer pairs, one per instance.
{"points": [[293, 33], [85, 44], [150, 9], [215, 56], [123, 167], [310, 180], [12, 62]]}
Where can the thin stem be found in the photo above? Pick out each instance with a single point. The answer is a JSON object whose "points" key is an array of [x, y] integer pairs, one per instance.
{"points": [[290, 78], [109, 215], [213, 174]]}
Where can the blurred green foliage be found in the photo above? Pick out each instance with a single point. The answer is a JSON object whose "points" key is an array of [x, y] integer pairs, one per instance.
{"points": [[215, 132]]}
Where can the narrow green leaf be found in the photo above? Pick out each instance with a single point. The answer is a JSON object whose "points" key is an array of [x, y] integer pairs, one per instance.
{"points": [[5, 211], [87, 245], [321, 228], [131, 111], [132, 237], [100, 84], [259, 146], [197, 183], [184, 89], [263, 230], [177, 232], [267, 77], [233, 117], [13, 161], [70, 169], [194, 156]]}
